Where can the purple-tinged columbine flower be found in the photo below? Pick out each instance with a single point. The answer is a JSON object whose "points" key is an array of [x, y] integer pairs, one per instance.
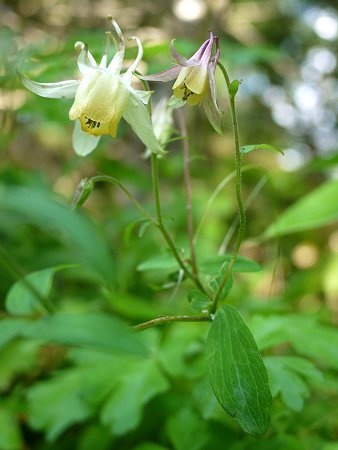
{"points": [[102, 97], [195, 79]]}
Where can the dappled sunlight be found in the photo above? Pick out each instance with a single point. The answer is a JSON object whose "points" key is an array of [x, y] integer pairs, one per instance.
{"points": [[189, 10]]}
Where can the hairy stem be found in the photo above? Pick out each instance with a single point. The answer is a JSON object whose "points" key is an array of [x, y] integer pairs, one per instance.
{"points": [[166, 319], [240, 203]]}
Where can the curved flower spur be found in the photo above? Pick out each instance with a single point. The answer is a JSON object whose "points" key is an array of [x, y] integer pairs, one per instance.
{"points": [[195, 79], [102, 96]]}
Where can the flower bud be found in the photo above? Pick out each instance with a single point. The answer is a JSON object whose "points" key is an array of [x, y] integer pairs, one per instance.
{"points": [[82, 192]]}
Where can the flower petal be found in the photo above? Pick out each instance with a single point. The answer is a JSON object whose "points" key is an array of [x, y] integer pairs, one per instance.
{"points": [[166, 75], [196, 80], [63, 89], [85, 61], [181, 77], [101, 97], [214, 115], [83, 143], [116, 63], [104, 59], [136, 114], [187, 96], [138, 58]]}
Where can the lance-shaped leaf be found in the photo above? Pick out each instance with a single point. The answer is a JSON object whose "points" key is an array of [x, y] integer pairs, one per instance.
{"points": [[237, 372], [316, 209]]}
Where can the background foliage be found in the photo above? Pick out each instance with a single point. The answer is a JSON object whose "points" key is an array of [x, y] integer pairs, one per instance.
{"points": [[80, 378]]}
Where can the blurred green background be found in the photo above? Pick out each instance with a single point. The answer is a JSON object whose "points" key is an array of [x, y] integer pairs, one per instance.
{"points": [[285, 54]]}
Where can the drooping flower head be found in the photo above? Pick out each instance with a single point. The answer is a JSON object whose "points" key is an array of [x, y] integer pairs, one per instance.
{"points": [[195, 78], [102, 96]]}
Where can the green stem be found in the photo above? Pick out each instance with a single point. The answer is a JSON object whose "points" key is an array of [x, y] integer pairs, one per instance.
{"points": [[247, 203], [128, 194], [241, 208], [162, 228], [166, 319], [187, 186], [154, 172]]}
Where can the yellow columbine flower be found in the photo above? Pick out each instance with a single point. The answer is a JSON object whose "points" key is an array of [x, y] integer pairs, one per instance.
{"points": [[102, 97], [195, 79]]}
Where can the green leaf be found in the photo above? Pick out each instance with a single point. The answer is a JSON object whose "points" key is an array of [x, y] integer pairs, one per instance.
{"points": [[286, 375], [181, 352], [115, 387], [76, 393], [29, 295], [213, 265], [38, 207], [198, 301], [67, 394], [316, 209], [331, 446], [10, 434], [187, 430], [214, 285], [94, 435], [304, 333], [249, 148], [144, 227], [136, 308], [122, 411], [237, 372], [10, 329], [95, 330], [149, 446], [233, 88], [18, 357], [164, 262]]}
